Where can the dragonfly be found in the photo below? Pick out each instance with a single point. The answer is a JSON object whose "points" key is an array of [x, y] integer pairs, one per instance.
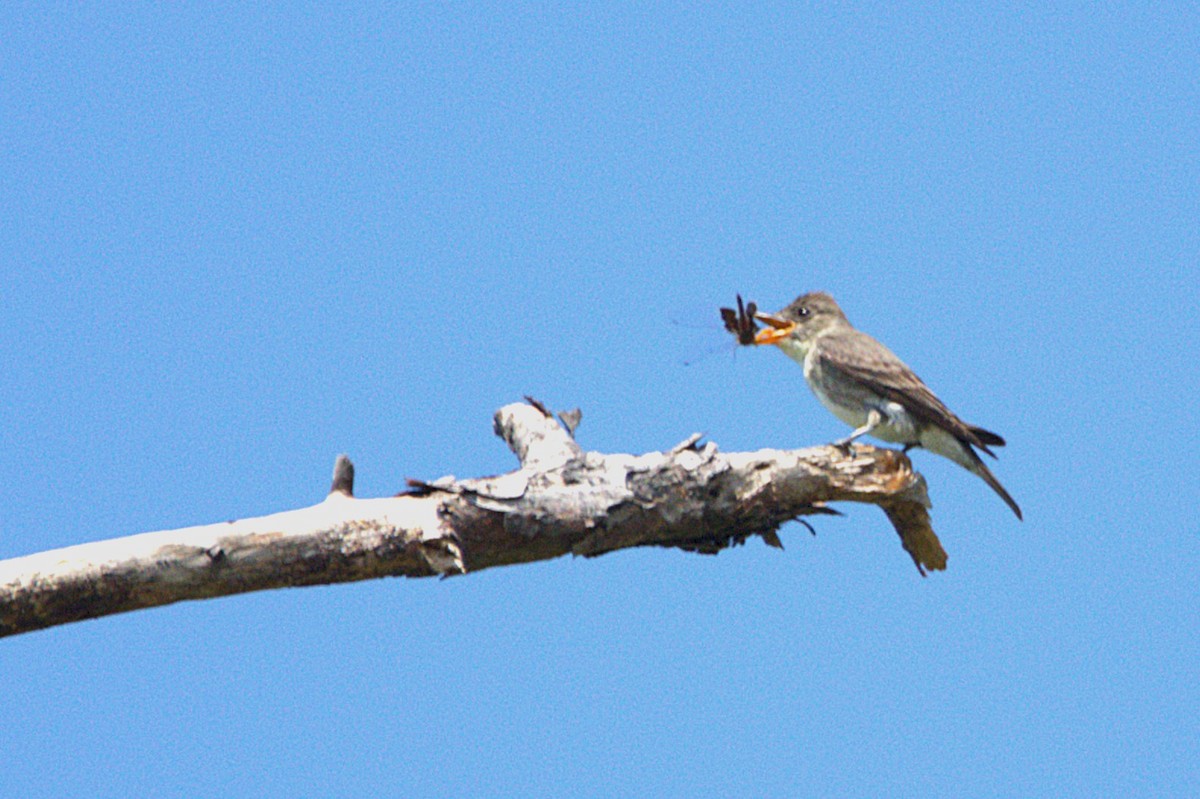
{"points": [[741, 323]]}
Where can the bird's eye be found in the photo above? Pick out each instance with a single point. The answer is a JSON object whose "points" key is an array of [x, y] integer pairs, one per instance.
{"points": [[802, 311]]}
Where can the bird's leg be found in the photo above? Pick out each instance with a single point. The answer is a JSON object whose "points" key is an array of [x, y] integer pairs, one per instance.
{"points": [[874, 419]]}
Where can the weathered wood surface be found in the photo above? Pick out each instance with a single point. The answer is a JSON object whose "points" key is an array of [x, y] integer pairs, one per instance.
{"points": [[561, 500]]}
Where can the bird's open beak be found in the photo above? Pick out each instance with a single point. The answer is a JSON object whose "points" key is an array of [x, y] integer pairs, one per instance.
{"points": [[777, 329]]}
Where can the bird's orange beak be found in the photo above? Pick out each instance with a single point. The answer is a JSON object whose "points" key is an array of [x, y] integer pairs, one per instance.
{"points": [[777, 329]]}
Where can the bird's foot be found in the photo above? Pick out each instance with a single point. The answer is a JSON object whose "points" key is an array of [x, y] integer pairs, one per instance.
{"points": [[846, 445]]}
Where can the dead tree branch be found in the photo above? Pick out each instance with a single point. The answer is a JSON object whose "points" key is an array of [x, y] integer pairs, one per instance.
{"points": [[561, 500]]}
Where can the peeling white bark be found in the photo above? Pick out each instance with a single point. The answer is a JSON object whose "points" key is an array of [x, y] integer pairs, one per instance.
{"points": [[562, 500]]}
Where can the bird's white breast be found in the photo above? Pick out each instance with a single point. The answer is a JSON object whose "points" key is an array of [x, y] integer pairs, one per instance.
{"points": [[806, 356], [854, 415], [898, 425]]}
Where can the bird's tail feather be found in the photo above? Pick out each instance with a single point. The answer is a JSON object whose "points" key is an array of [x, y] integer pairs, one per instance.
{"points": [[986, 437], [959, 450], [980, 468]]}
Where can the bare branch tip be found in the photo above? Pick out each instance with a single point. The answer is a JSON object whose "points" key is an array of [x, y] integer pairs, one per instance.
{"points": [[571, 420], [688, 443], [771, 539], [540, 406], [423, 488], [343, 476]]}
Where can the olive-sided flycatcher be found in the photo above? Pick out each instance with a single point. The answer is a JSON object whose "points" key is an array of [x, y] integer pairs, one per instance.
{"points": [[866, 386]]}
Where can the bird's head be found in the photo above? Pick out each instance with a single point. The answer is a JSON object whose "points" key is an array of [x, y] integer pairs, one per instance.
{"points": [[798, 324]]}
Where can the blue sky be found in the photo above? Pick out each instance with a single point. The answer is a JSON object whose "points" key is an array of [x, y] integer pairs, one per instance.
{"points": [[240, 240]]}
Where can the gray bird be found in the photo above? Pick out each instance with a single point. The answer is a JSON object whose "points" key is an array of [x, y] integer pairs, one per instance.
{"points": [[866, 386]]}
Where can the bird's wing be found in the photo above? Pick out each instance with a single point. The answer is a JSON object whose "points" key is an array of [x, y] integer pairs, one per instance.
{"points": [[863, 359]]}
